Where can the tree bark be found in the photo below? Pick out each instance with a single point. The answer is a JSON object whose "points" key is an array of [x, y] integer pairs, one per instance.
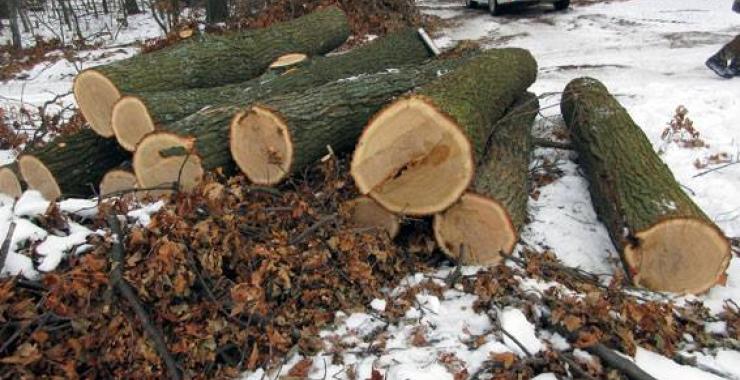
{"points": [[667, 242], [132, 7], [133, 117], [439, 132], [217, 11], [205, 62], [486, 221], [70, 165], [15, 32], [333, 114]]}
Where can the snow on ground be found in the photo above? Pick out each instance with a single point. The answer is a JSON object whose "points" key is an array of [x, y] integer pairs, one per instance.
{"points": [[650, 53]]}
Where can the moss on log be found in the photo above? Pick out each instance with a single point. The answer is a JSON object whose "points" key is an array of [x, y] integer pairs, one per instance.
{"points": [[439, 132], [205, 62], [333, 114], [70, 165], [486, 220], [667, 242], [135, 116]]}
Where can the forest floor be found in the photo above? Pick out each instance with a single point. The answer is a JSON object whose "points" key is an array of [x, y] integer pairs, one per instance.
{"points": [[650, 53]]}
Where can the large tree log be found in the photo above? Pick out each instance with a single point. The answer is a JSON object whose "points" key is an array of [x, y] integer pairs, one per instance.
{"points": [[205, 62], [417, 156], [486, 220], [333, 114], [70, 165], [135, 116], [667, 242], [10, 183]]}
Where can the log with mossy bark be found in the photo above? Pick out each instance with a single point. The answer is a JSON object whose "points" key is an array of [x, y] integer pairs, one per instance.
{"points": [[439, 132], [10, 183], [486, 220], [135, 116], [70, 165], [667, 242], [209, 61], [279, 136]]}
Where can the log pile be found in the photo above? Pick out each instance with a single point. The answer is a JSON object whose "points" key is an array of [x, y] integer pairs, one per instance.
{"points": [[446, 138]]}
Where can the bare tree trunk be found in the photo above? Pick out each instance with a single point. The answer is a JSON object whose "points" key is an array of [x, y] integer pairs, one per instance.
{"points": [[14, 30], [131, 7], [217, 11], [4, 11], [105, 7]]}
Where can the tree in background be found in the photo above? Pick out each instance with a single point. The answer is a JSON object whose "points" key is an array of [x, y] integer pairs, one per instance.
{"points": [[217, 11], [13, 9]]}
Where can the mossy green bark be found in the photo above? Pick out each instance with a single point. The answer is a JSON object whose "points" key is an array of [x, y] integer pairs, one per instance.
{"points": [[503, 173], [478, 93], [397, 49], [214, 60]]}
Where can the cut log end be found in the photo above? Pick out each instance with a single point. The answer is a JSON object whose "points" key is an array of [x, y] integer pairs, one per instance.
{"points": [[260, 145], [413, 159], [289, 60], [95, 95], [38, 177], [681, 255], [9, 183], [117, 181], [161, 160], [479, 226], [130, 121], [366, 213]]}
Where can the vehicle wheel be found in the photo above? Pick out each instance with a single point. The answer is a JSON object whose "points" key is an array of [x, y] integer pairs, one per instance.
{"points": [[471, 4], [561, 5], [494, 8]]}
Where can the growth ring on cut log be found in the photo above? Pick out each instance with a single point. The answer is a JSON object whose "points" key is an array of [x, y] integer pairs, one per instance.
{"points": [[130, 121], [366, 213], [678, 254], [266, 151], [96, 95], [479, 226], [160, 160], [9, 183], [38, 177], [117, 181], [413, 159]]}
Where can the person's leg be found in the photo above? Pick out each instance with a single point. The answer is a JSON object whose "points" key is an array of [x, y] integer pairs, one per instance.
{"points": [[724, 63]]}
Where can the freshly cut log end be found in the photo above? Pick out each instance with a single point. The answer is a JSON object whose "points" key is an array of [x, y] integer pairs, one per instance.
{"points": [[95, 95], [289, 60], [130, 121], [161, 160], [366, 213], [477, 225], [678, 255], [38, 177], [413, 159], [9, 183], [117, 181], [261, 145]]}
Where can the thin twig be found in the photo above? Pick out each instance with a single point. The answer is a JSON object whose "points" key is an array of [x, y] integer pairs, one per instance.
{"points": [[545, 143], [716, 169], [6, 244], [308, 232], [119, 282]]}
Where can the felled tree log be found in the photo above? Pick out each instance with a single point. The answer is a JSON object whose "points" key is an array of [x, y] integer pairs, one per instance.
{"points": [[667, 242], [282, 135], [70, 165], [207, 62], [10, 183], [363, 212], [121, 182], [487, 219], [135, 116], [417, 156]]}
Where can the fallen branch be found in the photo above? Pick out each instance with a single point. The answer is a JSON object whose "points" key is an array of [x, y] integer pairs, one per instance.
{"points": [[618, 362], [123, 287], [6, 244], [308, 232], [545, 143]]}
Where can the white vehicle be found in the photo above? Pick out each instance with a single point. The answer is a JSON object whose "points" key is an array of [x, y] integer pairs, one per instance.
{"points": [[495, 6]]}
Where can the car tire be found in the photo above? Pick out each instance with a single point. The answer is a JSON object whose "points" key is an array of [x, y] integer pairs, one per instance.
{"points": [[494, 8], [471, 4], [561, 5]]}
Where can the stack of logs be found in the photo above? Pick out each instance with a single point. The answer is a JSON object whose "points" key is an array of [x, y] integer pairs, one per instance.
{"points": [[446, 137]]}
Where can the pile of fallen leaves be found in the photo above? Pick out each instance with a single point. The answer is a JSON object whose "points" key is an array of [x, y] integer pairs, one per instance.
{"points": [[233, 276]]}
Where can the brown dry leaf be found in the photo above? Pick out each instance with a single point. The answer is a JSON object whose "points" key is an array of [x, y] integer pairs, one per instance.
{"points": [[26, 354], [418, 337], [507, 359], [376, 375], [40, 336], [301, 369], [572, 323]]}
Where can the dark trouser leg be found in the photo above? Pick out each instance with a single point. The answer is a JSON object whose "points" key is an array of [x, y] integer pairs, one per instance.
{"points": [[725, 62]]}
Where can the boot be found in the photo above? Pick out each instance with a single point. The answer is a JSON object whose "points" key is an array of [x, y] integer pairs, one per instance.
{"points": [[719, 66]]}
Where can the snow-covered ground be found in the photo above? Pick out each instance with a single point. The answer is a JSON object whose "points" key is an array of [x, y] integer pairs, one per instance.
{"points": [[650, 53]]}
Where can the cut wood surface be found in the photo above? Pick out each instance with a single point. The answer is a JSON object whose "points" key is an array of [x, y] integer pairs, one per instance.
{"points": [[70, 165], [135, 116], [417, 156], [119, 182], [667, 242], [486, 221], [333, 114], [365, 213], [207, 61], [289, 60], [10, 183]]}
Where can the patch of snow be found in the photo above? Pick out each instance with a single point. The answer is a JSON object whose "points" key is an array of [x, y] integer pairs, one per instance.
{"points": [[718, 328], [516, 324], [55, 248], [725, 361], [378, 305], [31, 203], [663, 368], [545, 376], [143, 215], [86, 208]]}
